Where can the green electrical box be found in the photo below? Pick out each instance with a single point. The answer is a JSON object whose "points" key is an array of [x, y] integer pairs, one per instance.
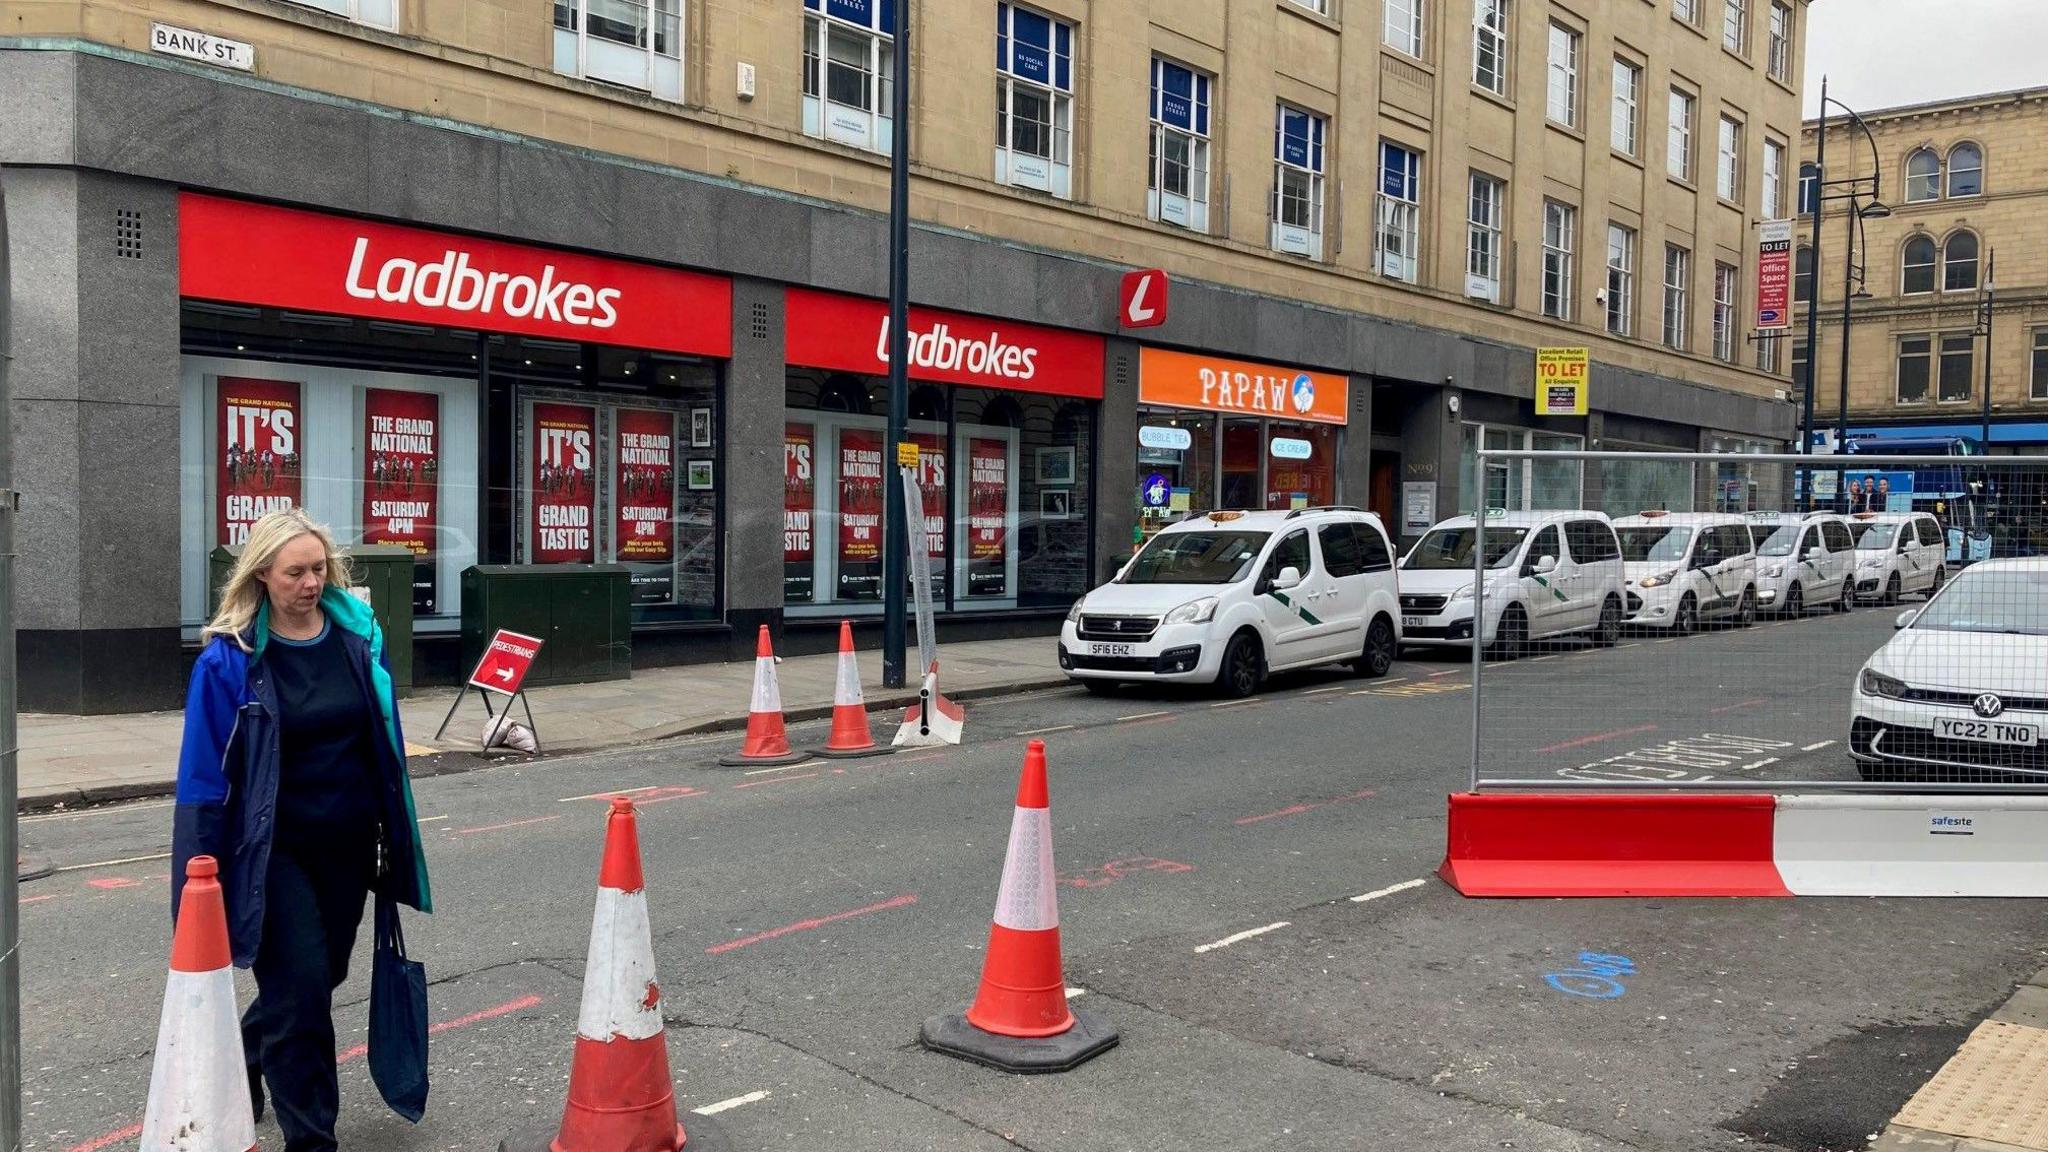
{"points": [[582, 613], [383, 572]]}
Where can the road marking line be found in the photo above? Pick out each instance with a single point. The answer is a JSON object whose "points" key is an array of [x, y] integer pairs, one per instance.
{"points": [[38, 899], [777, 780], [1140, 716], [1668, 640], [903, 901], [1765, 763], [508, 824], [1074, 993], [1733, 707], [1321, 691], [1298, 809], [110, 809], [1240, 937], [1448, 672], [113, 882], [1604, 736], [1044, 731], [1817, 747], [1394, 680], [113, 863], [728, 1105], [608, 794], [1237, 703], [506, 1009], [1541, 659], [1630, 644], [432, 819], [109, 1140], [1389, 890], [768, 771]]}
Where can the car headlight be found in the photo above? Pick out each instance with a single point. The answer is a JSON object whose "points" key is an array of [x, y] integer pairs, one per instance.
{"points": [[1659, 580], [1464, 593], [1879, 684], [1193, 612], [1772, 571], [1871, 562], [1074, 613]]}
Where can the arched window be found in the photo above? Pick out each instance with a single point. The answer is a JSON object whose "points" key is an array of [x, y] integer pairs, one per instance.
{"points": [[1923, 176], [1919, 265], [1959, 263], [1966, 170], [1802, 275], [1809, 188]]}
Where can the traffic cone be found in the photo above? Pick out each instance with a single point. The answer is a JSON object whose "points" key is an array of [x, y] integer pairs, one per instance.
{"points": [[851, 737], [767, 741], [621, 1098], [199, 1085], [933, 720], [1020, 1020]]}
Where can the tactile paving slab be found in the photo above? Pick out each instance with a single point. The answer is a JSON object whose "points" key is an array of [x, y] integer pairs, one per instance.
{"points": [[1994, 1088]]}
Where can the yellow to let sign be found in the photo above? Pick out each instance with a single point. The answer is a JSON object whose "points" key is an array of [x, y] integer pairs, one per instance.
{"points": [[906, 454], [1561, 377]]}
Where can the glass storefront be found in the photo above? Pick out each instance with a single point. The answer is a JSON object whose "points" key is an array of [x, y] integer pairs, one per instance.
{"points": [[1747, 487], [1519, 485], [1631, 486]]}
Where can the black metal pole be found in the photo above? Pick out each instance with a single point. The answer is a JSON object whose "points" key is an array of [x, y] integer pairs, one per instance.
{"points": [[1842, 397], [896, 533], [1990, 292], [1820, 175]]}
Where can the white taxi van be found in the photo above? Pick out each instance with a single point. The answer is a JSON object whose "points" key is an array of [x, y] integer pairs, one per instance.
{"points": [[1548, 574], [1803, 561], [1684, 568], [1229, 597], [1897, 553]]}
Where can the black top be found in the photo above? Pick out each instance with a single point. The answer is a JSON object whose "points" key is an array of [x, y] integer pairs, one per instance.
{"points": [[327, 781]]}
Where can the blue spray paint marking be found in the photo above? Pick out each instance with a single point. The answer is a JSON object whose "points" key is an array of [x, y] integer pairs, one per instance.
{"points": [[1597, 976]]}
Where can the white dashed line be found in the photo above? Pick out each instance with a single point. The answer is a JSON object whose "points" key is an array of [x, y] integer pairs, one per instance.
{"points": [[1389, 890], [1141, 716], [123, 860], [1541, 659], [768, 771], [1044, 731], [431, 819], [1817, 747], [1321, 691], [729, 1105], [1240, 937], [1237, 703], [1073, 993], [1764, 763]]}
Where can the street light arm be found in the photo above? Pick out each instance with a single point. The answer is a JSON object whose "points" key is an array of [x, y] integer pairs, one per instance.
{"points": [[1876, 163]]}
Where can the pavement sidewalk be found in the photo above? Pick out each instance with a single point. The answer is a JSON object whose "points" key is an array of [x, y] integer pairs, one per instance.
{"points": [[1992, 1095], [67, 760]]}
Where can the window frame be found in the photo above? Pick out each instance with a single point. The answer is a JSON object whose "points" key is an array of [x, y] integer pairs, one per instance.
{"points": [[1485, 246], [1923, 356], [1056, 90], [1680, 133], [1773, 186], [1558, 256], [1735, 27], [1196, 137], [1923, 187], [1569, 69], [1621, 278], [1950, 347], [1677, 313], [879, 77], [658, 73], [1299, 239], [1727, 292], [1686, 12], [1398, 218], [1415, 32], [2037, 380], [1728, 174], [1626, 112], [1976, 169], [352, 11], [1500, 30], [1949, 264], [1907, 265], [1802, 273], [1778, 60]]}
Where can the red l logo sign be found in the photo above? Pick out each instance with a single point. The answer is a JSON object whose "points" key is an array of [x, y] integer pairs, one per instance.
{"points": [[1142, 302]]}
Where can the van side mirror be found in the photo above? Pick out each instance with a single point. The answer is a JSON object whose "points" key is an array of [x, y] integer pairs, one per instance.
{"points": [[1815, 555], [1289, 577], [1545, 565], [1906, 618]]}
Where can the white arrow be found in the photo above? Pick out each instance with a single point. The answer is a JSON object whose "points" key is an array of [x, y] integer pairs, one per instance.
{"points": [[1139, 311], [504, 673]]}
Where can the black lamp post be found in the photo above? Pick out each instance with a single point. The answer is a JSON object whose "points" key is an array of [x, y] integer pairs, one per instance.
{"points": [[1851, 188]]}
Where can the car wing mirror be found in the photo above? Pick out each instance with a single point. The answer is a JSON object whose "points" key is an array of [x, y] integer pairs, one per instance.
{"points": [[1289, 577], [1545, 565], [1906, 618]]}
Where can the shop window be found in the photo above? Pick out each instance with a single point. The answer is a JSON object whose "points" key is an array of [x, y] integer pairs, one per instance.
{"points": [[1629, 486], [633, 45], [1177, 188], [1176, 467], [1034, 101], [849, 71], [1518, 485], [1298, 182]]}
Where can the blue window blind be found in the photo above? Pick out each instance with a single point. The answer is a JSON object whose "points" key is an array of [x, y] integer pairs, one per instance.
{"points": [[877, 15], [1298, 139], [1035, 47], [1180, 97], [1400, 172]]}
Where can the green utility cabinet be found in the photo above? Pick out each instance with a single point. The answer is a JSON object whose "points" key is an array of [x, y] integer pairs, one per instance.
{"points": [[582, 613], [383, 571]]}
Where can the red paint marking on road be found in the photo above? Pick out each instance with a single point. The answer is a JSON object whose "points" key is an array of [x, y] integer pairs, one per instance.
{"points": [[109, 1140], [38, 899], [1585, 740], [776, 780], [508, 824], [113, 882], [1733, 707], [505, 1009], [903, 901], [1116, 870], [1298, 809]]}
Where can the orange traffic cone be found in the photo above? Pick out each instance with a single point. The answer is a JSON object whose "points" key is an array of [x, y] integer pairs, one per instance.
{"points": [[199, 1086], [851, 737], [1020, 1021], [767, 741], [933, 720], [621, 1098]]}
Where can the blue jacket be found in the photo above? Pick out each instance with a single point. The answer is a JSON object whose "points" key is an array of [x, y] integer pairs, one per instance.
{"points": [[228, 770]]}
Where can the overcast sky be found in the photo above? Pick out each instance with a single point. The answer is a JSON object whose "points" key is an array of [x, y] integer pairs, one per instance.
{"points": [[1882, 53]]}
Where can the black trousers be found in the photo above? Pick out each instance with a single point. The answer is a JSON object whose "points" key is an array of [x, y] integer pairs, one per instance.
{"points": [[310, 915]]}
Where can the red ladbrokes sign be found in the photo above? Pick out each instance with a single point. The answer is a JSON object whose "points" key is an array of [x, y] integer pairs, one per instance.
{"points": [[851, 334], [249, 253]]}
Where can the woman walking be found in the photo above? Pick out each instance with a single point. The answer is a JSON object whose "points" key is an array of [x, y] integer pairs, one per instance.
{"points": [[293, 776]]}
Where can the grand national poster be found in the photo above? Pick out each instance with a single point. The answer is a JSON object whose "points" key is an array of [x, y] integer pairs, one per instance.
{"points": [[401, 480], [799, 504], [860, 515], [988, 517], [563, 480], [931, 480], [258, 438], [645, 496]]}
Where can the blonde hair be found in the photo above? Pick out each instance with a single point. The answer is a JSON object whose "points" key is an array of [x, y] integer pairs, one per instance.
{"points": [[243, 593]]}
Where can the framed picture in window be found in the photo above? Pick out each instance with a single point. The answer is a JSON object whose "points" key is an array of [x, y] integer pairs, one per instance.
{"points": [[1056, 503], [1056, 465], [700, 427], [701, 478]]}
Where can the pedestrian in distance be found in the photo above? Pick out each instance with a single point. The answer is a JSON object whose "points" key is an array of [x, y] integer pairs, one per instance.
{"points": [[293, 776], [1855, 503]]}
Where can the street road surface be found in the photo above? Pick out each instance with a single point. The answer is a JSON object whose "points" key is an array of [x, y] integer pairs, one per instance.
{"points": [[1247, 891]]}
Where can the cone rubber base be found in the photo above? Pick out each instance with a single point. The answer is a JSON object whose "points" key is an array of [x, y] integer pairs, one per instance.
{"points": [[854, 753], [704, 1136], [1091, 1036], [740, 760]]}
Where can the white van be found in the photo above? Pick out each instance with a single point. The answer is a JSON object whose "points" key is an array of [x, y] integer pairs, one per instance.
{"points": [[1229, 597], [1897, 553], [1688, 567], [1803, 562], [1549, 574]]}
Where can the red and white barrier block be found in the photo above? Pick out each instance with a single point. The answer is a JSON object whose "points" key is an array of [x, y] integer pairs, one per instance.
{"points": [[1755, 844]]}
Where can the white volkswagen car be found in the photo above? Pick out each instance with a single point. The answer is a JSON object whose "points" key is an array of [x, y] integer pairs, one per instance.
{"points": [[1898, 553], [1228, 597], [1803, 562], [1549, 574], [1962, 690], [1688, 567]]}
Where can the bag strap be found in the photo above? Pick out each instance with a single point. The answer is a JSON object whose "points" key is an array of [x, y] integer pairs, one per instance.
{"points": [[389, 933]]}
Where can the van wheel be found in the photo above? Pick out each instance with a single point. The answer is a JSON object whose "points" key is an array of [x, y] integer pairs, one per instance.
{"points": [[1241, 672], [1848, 598], [1609, 633], [1795, 602], [1378, 657], [1100, 687], [1746, 614], [1891, 590], [1687, 621], [1940, 578], [1511, 639]]}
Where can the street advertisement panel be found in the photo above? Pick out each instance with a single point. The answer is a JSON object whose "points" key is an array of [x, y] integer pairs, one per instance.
{"points": [[1561, 376], [563, 480], [1774, 276], [257, 435], [860, 514], [931, 481], [401, 480], [988, 513], [644, 493], [799, 504]]}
